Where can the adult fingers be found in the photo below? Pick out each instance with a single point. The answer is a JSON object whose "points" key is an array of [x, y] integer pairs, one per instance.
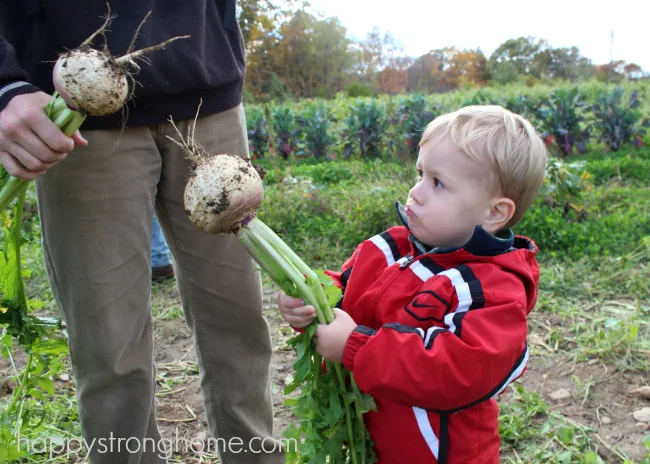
{"points": [[34, 145], [16, 169], [78, 139], [28, 160], [47, 131]]}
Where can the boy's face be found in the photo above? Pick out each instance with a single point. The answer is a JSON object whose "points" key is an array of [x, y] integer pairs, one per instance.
{"points": [[453, 195]]}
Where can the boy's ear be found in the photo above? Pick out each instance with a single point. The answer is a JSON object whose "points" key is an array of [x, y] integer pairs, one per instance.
{"points": [[501, 211]]}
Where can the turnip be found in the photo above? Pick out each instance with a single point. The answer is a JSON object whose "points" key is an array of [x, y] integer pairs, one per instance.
{"points": [[95, 82], [235, 193], [222, 195], [223, 191], [91, 81], [87, 81]]}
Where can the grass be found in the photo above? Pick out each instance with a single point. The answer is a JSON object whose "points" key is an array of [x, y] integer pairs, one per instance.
{"points": [[602, 309], [530, 432]]}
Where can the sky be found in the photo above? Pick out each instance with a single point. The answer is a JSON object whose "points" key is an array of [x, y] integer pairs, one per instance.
{"points": [[421, 25]]}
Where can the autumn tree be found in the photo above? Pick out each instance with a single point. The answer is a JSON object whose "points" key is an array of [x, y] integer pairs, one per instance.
{"points": [[423, 75], [633, 72], [392, 81], [515, 57], [463, 67]]}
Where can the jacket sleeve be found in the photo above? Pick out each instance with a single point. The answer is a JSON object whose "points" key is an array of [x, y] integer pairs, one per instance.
{"points": [[13, 78], [438, 368]]}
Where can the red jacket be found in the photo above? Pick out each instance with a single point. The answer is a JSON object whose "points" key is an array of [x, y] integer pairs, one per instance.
{"points": [[440, 335]]}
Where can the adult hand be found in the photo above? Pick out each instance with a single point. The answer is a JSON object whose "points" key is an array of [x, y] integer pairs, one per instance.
{"points": [[30, 143]]}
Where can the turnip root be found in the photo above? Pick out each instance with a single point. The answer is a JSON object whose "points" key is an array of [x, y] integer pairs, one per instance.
{"points": [[93, 81], [223, 191]]}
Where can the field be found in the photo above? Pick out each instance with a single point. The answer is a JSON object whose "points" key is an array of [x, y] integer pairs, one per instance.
{"points": [[589, 334]]}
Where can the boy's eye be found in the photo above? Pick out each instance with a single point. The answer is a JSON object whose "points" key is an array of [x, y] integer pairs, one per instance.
{"points": [[437, 183], [419, 174]]}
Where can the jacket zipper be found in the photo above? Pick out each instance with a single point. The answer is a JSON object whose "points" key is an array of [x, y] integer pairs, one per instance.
{"points": [[409, 260], [402, 266]]}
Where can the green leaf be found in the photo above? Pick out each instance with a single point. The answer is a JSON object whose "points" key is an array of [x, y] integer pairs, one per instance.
{"points": [[47, 385], [565, 435], [291, 388], [564, 457], [324, 279], [14, 303], [335, 411], [301, 349], [52, 346], [591, 457], [5, 345], [34, 393], [311, 329], [35, 304], [302, 368], [290, 402], [333, 295]]}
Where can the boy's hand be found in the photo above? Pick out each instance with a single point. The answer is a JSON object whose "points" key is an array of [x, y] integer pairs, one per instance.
{"points": [[294, 311], [331, 338]]}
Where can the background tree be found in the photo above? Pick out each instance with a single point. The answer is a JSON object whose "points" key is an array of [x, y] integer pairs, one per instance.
{"points": [[515, 57], [292, 52]]}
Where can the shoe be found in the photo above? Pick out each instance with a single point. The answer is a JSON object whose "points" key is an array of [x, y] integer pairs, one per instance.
{"points": [[158, 274]]}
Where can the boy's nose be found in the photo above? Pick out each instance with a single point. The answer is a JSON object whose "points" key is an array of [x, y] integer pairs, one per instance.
{"points": [[414, 193]]}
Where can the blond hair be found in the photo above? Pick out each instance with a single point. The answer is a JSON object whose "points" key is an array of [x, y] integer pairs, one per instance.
{"points": [[509, 142]]}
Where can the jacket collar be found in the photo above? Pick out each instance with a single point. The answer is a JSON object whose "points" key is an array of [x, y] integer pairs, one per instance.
{"points": [[482, 242]]}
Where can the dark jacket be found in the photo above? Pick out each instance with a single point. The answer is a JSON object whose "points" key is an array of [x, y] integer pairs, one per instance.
{"points": [[209, 66]]}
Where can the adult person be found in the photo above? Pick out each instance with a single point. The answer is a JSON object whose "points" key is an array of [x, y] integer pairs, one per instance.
{"points": [[96, 211]]}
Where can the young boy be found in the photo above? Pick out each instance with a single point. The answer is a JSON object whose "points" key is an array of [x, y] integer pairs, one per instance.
{"points": [[433, 320]]}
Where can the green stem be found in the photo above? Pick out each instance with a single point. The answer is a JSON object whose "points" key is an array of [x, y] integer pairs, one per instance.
{"points": [[9, 190], [318, 360], [312, 279], [74, 123], [250, 243], [348, 413], [62, 118], [272, 253], [67, 120], [19, 391], [361, 424], [261, 241]]}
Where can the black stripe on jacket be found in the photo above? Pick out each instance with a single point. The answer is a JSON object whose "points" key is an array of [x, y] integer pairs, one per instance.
{"points": [[391, 243], [431, 265]]}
